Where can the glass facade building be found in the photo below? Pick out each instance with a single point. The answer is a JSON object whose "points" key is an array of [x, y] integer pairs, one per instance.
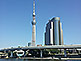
{"points": [[54, 32]]}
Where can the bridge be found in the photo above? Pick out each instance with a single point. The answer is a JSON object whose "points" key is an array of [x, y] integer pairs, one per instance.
{"points": [[41, 48]]}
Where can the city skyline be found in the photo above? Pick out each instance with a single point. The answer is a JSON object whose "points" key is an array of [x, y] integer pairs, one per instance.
{"points": [[16, 17]]}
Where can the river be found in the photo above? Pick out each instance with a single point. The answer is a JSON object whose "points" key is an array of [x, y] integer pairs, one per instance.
{"points": [[34, 60]]}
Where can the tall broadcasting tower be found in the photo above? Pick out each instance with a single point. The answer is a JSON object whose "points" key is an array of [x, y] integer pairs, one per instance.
{"points": [[33, 26]]}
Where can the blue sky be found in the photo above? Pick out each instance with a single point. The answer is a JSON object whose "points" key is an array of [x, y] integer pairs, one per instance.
{"points": [[16, 17]]}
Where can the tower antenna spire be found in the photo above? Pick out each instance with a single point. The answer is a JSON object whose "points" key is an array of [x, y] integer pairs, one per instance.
{"points": [[33, 7]]}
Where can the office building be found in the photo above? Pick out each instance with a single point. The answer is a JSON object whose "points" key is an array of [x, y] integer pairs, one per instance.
{"points": [[29, 44], [54, 32]]}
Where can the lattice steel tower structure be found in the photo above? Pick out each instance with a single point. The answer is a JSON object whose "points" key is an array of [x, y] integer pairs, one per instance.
{"points": [[33, 26]]}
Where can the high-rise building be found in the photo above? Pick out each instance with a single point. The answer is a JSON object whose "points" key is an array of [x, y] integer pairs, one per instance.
{"points": [[33, 26], [54, 32]]}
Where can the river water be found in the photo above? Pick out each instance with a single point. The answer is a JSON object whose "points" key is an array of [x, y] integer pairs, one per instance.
{"points": [[34, 60]]}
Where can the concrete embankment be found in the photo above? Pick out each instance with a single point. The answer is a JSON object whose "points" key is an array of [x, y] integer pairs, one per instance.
{"points": [[52, 58]]}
